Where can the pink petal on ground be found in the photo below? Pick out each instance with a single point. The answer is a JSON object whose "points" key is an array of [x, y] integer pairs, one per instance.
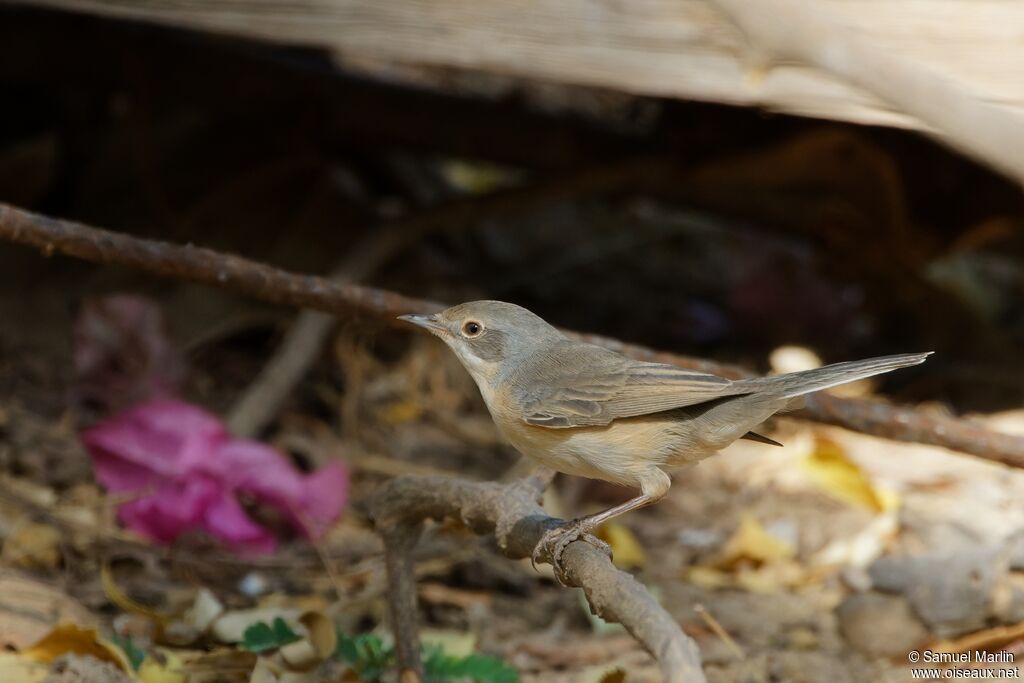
{"points": [[160, 439], [312, 501], [325, 495], [186, 471], [171, 510], [226, 520]]}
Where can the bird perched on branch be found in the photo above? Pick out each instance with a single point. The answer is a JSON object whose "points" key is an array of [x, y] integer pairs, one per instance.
{"points": [[585, 410]]}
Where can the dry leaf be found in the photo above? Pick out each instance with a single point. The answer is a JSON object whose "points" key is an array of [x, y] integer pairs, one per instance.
{"points": [[708, 578], [863, 547], [167, 666], [772, 577], [69, 638], [319, 642], [29, 609], [220, 666], [626, 549], [752, 542], [204, 611], [835, 474]]}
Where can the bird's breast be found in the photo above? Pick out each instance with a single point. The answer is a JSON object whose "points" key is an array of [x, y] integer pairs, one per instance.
{"points": [[620, 452]]}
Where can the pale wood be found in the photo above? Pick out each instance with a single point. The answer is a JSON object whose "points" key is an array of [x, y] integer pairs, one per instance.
{"points": [[677, 48]]}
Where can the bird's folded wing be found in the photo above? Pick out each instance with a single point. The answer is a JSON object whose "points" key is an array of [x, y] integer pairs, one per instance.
{"points": [[576, 385]]}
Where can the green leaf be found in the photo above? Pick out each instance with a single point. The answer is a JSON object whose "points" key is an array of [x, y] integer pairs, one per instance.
{"points": [[132, 651], [366, 654], [261, 637], [441, 668]]}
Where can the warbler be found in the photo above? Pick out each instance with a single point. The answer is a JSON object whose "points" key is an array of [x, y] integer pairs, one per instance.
{"points": [[585, 410]]}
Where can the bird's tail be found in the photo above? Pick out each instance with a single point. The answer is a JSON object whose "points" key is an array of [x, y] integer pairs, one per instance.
{"points": [[804, 382]]}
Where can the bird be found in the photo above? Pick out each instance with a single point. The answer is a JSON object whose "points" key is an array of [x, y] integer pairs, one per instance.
{"points": [[585, 410]]}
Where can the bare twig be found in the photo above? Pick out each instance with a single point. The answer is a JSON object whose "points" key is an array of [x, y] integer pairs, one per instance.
{"points": [[263, 399], [399, 542], [814, 34], [265, 282], [512, 513]]}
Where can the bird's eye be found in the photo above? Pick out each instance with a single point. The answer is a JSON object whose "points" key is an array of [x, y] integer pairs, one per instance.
{"points": [[472, 328]]}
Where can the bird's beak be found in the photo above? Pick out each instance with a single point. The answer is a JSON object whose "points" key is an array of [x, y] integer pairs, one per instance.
{"points": [[428, 322]]}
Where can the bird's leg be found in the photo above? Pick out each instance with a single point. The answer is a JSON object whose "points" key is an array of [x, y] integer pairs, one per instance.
{"points": [[555, 541]]}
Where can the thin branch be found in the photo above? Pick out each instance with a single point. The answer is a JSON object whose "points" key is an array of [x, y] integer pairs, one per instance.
{"points": [[399, 542], [513, 514], [814, 34], [265, 282]]}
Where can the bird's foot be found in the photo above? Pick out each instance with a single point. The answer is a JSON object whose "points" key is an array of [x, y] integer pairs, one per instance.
{"points": [[555, 541]]}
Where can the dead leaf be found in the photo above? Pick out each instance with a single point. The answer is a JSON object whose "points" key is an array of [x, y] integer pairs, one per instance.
{"points": [[165, 666], [204, 611], [863, 547], [626, 549], [220, 666], [318, 643], [69, 638], [440, 594], [752, 542], [834, 473], [29, 609]]}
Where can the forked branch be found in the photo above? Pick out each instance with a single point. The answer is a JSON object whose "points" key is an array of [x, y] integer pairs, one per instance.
{"points": [[512, 513]]}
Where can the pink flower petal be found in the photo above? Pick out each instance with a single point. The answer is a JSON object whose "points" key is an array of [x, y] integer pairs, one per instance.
{"points": [[312, 501], [187, 470], [166, 438], [176, 507], [226, 520]]}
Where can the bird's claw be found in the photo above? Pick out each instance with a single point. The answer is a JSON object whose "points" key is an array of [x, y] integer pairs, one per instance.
{"points": [[555, 541]]}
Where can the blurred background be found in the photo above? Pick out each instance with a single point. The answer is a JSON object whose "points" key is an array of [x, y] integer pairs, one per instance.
{"points": [[639, 176]]}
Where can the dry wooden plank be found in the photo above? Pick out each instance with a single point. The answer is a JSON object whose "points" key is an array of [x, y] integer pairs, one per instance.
{"points": [[676, 48]]}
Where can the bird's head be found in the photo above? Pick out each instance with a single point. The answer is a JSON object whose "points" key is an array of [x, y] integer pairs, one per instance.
{"points": [[486, 335]]}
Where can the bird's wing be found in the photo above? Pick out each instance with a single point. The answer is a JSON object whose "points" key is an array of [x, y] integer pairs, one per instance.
{"points": [[576, 385]]}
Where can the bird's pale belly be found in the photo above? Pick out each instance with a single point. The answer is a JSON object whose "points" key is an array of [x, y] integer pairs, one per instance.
{"points": [[623, 452]]}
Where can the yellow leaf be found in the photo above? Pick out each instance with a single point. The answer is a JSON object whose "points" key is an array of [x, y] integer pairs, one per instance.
{"points": [[708, 577], [167, 667], [67, 638], [751, 542], [772, 578], [835, 474], [626, 549]]}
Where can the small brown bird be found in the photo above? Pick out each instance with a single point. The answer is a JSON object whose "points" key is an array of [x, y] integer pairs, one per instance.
{"points": [[582, 409]]}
